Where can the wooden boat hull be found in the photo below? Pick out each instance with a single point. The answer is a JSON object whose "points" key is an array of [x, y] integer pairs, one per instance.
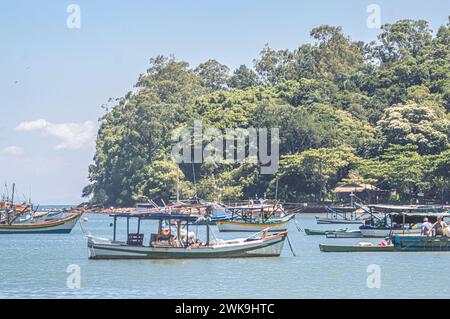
{"points": [[271, 246], [354, 248], [320, 220], [421, 243], [383, 232], [242, 226], [60, 226]]}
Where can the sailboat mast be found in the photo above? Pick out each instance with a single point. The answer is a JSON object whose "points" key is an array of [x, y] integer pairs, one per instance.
{"points": [[12, 195]]}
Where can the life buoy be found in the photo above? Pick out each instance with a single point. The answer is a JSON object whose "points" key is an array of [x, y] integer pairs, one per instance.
{"points": [[165, 231]]}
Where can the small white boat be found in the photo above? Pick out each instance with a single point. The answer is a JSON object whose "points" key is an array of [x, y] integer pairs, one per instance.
{"points": [[383, 232], [278, 224], [344, 234], [321, 220]]}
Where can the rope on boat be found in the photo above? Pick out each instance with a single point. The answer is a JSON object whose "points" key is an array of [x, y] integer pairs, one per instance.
{"points": [[290, 246], [85, 233], [297, 225]]}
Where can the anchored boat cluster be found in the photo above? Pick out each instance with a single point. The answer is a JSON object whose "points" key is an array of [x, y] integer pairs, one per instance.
{"points": [[403, 228]]}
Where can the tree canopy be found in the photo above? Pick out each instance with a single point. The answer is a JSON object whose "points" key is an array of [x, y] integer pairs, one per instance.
{"points": [[373, 112]]}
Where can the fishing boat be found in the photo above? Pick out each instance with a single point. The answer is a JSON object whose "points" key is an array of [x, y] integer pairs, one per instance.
{"points": [[361, 247], [59, 226], [344, 233], [340, 215], [314, 232], [256, 217], [174, 241], [245, 225], [411, 242], [389, 220]]}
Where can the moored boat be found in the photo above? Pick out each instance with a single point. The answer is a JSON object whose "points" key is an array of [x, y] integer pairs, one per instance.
{"points": [[385, 231], [361, 247], [169, 243], [314, 232], [60, 226], [421, 243], [390, 220], [278, 224], [345, 233], [324, 220]]}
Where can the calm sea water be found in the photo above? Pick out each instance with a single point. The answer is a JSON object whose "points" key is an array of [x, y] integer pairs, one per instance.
{"points": [[35, 266]]}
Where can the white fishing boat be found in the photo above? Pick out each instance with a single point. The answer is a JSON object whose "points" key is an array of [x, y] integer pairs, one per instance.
{"points": [[398, 219], [169, 243], [344, 234], [277, 224], [382, 232], [341, 215], [324, 220]]}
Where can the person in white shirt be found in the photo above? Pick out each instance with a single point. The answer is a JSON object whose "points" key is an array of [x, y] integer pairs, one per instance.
{"points": [[427, 227]]}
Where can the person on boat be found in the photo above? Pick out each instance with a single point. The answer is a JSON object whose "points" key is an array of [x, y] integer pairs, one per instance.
{"points": [[440, 227], [426, 228]]}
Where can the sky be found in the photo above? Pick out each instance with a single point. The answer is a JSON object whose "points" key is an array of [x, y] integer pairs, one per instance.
{"points": [[54, 78]]}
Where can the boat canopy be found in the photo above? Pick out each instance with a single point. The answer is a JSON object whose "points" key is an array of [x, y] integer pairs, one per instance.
{"points": [[408, 208], [415, 218], [159, 216], [342, 208]]}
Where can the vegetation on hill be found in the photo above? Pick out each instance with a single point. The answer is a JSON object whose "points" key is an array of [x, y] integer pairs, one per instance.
{"points": [[347, 111]]}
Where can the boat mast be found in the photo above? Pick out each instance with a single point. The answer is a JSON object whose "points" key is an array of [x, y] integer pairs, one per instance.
{"points": [[195, 182], [276, 190], [207, 233], [178, 184], [11, 210]]}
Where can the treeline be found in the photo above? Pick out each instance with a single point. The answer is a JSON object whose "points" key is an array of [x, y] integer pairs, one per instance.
{"points": [[347, 111]]}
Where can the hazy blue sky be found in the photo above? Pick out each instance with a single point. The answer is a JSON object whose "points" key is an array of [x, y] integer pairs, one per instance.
{"points": [[53, 80]]}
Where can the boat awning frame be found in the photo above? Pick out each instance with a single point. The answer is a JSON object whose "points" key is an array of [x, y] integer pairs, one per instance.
{"points": [[158, 216]]}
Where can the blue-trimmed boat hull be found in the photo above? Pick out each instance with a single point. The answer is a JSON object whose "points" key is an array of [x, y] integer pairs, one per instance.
{"points": [[55, 231], [421, 243]]}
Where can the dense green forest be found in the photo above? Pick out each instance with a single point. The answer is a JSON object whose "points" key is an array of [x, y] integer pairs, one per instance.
{"points": [[348, 111]]}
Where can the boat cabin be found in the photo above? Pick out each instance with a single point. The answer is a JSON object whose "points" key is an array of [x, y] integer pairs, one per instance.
{"points": [[401, 215], [168, 224]]}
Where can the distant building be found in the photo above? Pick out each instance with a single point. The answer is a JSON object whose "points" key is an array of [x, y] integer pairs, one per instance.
{"points": [[367, 192]]}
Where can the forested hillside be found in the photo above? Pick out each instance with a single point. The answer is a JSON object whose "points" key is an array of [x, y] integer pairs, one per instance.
{"points": [[374, 112]]}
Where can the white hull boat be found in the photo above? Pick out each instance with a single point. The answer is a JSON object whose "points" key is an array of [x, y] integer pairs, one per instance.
{"points": [[384, 232], [265, 246], [321, 220], [344, 234], [274, 225]]}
